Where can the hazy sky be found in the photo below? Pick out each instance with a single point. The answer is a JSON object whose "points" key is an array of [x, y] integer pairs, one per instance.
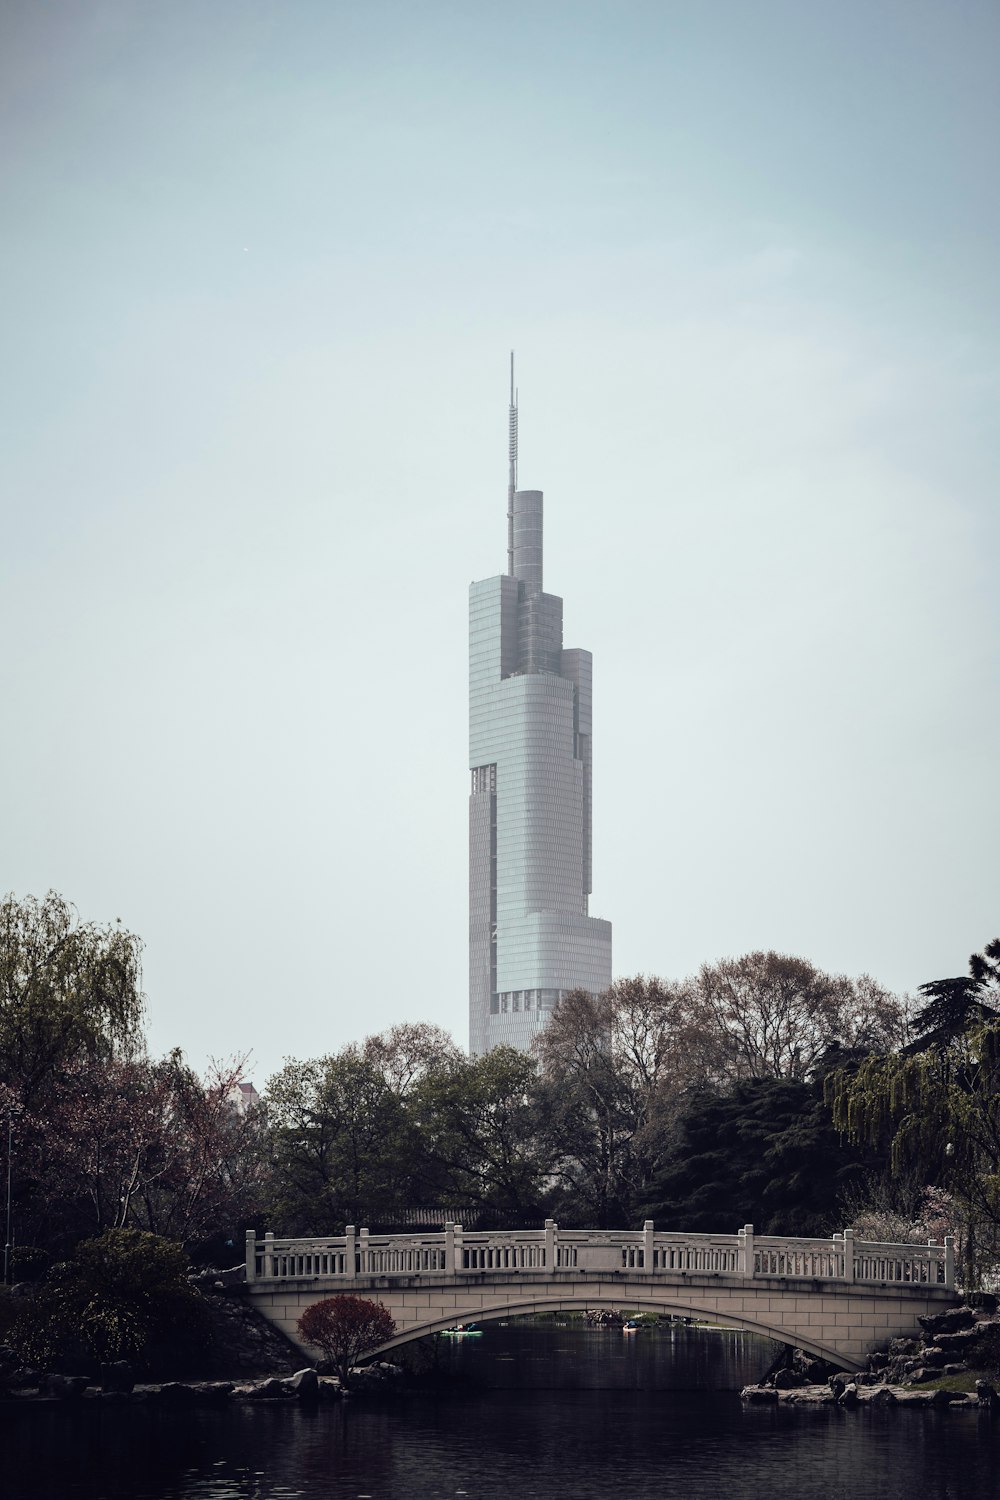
{"points": [[260, 270]]}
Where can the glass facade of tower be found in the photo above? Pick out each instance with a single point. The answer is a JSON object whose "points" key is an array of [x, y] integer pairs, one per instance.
{"points": [[531, 939]]}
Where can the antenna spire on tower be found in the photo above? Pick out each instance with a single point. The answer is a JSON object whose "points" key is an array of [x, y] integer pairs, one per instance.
{"points": [[512, 468]]}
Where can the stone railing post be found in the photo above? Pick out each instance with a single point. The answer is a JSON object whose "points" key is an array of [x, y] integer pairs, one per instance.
{"points": [[746, 1255], [364, 1254], [848, 1254], [251, 1254], [949, 1260], [449, 1248], [268, 1254], [647, 1245], [459, 1255], [350, 1252], [550, 1244]]}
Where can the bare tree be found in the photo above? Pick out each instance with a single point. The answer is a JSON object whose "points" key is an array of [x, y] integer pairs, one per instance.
{"points": [[769, 1015], [607, 1063], [404, 1053]]}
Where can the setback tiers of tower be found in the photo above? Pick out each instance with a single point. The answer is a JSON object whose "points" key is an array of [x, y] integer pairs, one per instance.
{"points": [[531, 940]]}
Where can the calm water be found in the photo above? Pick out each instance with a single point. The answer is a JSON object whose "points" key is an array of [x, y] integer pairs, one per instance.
{"points": [[538, 1413]]}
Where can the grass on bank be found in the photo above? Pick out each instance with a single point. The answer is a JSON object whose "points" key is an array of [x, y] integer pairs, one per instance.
{"points": [[964, 1382]]}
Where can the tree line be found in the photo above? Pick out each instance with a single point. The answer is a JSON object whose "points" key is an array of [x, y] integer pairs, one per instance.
{"points": [[760, 1090]]}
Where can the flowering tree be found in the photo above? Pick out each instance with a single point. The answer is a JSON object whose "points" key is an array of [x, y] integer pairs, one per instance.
{"points": [[901, 1212], [138, 1143], [345, 1328]]}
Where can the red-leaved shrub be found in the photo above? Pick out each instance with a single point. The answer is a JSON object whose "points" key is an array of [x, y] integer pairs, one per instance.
{"points": [[345, 1328]]}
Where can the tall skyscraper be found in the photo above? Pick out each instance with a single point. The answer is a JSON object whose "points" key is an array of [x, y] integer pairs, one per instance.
{"points": [[531, 939]]}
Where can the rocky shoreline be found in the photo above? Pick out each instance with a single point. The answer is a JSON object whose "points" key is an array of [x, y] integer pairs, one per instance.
{"points": [[853, 1395], [954, 1363], [117, 1387]]}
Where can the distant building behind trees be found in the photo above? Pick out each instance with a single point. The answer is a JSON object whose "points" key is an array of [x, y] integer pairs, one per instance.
{"points": [[531, 937]]}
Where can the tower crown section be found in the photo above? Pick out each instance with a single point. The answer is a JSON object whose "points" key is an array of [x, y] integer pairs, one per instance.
{"points": [[528, 539]]}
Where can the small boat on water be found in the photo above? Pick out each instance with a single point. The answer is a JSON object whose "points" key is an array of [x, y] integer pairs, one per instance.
{"points": [[462, 1331]]}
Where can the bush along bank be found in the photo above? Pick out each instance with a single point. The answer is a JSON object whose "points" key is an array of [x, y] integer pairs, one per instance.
{"points": [[954, 1362], [237, 1354], [259, 1363]]}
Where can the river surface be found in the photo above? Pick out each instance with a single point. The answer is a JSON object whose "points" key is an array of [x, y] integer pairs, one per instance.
{"points": [[536, 1412]]}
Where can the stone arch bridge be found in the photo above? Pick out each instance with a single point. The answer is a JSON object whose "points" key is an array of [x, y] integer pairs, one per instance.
{"points": [[837, 1298]]}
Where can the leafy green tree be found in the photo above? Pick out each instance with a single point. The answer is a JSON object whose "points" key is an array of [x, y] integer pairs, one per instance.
{"points": [[478, 1137], [938, 1111], [341, 1151], [404, 1120], [985, 969], [957, 1004], [68, 990], [936, 1103], [124, 1295], [762, 1152]]}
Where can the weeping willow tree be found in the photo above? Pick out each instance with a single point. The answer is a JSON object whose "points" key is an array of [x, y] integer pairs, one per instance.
{"points": [[69, 991], [938, 1112]]}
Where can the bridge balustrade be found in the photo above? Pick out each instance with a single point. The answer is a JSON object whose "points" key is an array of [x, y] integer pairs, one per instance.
{"points": [[295, 1258], [503, 1252], [913, 1264], [453, 1252], [801, 1257], [708, 1254]]}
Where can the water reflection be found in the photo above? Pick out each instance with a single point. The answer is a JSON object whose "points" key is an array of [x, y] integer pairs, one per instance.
{"points": [[575, 1356], [543, 1414]]}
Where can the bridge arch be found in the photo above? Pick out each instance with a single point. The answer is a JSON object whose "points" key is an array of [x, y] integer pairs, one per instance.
{"points": [[640, 1302]]}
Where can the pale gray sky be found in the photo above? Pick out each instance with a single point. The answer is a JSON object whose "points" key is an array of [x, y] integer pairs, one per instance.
{"points": [[260, 269]]}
